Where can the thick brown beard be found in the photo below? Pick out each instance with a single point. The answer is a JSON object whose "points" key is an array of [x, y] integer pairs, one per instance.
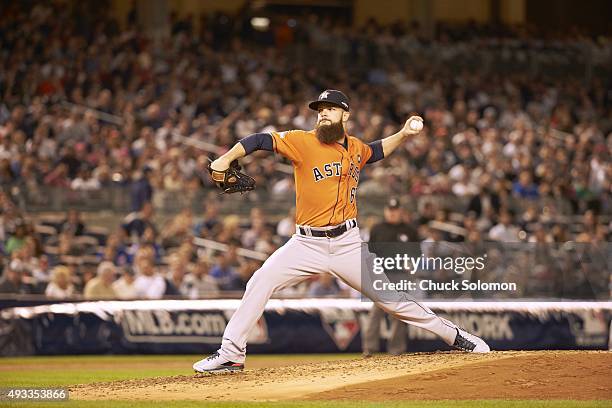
{"points": [[330, 134]]}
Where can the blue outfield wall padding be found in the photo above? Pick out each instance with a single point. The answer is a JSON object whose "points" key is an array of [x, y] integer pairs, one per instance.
{"points": [[287, 326]]}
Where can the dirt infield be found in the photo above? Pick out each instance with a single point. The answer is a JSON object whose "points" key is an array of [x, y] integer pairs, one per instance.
{"points": [[578, 376], [421, 376]]}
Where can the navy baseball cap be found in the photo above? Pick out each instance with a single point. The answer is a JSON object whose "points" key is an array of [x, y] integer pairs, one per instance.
{"points": [[333, 97]]}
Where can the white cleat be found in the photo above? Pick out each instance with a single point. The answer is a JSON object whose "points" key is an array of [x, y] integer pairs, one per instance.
{"points": [[215, 364], [470, 343]]}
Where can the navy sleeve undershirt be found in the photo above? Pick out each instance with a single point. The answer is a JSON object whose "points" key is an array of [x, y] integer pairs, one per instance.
{"points": [[257, 141], [377, 151]]}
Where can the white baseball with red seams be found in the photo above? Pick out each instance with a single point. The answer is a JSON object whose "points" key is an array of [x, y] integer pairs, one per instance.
{"points": [[416, 124]]}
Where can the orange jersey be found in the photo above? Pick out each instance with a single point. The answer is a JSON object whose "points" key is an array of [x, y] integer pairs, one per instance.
{"points": [[326, 176]]}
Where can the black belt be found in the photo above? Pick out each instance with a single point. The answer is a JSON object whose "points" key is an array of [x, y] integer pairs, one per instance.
{"points": [[330, 233]]}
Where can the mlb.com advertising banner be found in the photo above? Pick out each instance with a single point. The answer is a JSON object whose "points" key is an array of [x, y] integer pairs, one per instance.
{"points": [[287, 326]]}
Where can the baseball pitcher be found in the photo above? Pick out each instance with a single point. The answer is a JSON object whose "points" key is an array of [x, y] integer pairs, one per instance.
{"points": [[327, 162]]}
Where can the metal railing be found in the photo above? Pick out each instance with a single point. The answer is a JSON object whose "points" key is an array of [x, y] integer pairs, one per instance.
{"points": [[116, 199]]}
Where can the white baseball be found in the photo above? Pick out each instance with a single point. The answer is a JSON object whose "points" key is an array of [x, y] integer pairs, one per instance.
{"points": [[415, 124]]}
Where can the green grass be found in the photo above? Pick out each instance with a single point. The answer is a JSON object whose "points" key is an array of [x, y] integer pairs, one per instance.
{"points": [[85, 359], [67, 370], [331, 404], [69, 377], [49, 371], [145, 358]]}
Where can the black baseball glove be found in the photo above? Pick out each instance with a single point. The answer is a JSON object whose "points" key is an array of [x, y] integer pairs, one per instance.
{"points": [[232, 180]]}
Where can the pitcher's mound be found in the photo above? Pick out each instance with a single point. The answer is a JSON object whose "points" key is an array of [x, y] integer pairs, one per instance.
{"points": [[426, 376], [537, 375]]}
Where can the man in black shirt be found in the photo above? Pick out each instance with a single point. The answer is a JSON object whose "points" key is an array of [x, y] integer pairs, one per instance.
{"points": [[392, 230], [137, 222]]}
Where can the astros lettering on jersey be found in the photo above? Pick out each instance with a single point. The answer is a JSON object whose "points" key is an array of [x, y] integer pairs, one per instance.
{"points": [[326, 176]]}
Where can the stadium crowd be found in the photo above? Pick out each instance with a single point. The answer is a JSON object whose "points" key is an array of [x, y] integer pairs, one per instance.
{"points": [[86, 105]]}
